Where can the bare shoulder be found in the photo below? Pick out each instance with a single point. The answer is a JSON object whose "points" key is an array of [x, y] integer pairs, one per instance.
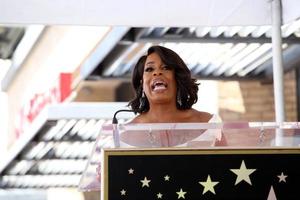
{"points": [[137, 119], [200, 116]]}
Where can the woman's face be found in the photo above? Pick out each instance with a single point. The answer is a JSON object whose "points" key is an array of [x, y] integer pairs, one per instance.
{"points": [[159, 81]]}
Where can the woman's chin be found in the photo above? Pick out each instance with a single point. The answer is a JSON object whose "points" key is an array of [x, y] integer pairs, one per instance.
{"points": [[162, 100]]}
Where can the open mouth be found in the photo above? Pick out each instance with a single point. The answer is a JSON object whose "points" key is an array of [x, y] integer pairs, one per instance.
{"points": [[159, 85]]}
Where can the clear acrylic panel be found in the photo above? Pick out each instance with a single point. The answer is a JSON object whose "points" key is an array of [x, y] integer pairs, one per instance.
{"points": [[188, 135]]}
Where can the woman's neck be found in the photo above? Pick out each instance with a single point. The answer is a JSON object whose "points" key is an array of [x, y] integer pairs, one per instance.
{"points": [[162, 113]]}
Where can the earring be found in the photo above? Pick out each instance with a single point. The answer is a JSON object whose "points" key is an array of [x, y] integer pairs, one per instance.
{"points": [[142, 100], [178, 98]]}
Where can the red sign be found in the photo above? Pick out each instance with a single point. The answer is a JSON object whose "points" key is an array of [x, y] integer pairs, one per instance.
{"points": [[39, 101]]}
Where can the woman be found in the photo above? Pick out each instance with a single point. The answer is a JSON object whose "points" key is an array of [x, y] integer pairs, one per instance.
{"points": [[165, 91]]}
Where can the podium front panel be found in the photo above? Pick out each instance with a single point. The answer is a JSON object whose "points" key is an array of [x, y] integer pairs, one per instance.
{"points": [[264, 173]]}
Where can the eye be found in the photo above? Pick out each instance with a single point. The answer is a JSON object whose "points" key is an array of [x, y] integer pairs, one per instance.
{"points": [[148, 69], [166, 67]]}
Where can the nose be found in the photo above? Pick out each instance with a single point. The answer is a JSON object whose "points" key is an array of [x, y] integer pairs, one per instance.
{"points": [[157, 72]]}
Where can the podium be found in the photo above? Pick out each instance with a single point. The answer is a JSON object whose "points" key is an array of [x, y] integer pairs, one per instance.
{"points": [[250, 160]]}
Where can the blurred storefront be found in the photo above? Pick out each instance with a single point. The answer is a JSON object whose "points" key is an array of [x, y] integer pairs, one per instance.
{"points": [[41, 103]]}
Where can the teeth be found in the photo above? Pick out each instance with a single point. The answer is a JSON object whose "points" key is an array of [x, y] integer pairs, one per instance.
{"points": [[158, 82], [159, 85]]}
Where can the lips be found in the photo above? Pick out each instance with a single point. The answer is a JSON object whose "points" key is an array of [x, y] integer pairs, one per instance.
{"points": [[158, 85]]}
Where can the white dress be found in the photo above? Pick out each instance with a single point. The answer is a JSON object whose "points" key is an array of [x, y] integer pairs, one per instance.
{"points": [[207, 138]]}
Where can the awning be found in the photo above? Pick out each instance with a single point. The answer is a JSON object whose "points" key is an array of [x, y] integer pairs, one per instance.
{"points": [[54, 152], [219, 53]]}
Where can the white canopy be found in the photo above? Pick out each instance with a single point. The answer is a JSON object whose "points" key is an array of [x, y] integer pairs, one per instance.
{"points": [[145, 12]]}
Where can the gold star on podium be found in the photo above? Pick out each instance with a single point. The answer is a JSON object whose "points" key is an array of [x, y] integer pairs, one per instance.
{"points": [[159, 195], [181, 194], [208, 185], [145, 182], [123, 192], [282, 177], [167, 178], [243, 173], [130, 171], [272, 195]]}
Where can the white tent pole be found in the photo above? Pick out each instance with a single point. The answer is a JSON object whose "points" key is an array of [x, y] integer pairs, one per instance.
{"points": [[277, 67], [277, 61]]}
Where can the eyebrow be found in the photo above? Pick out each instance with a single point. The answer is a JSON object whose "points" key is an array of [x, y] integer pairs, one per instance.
{"points": [[150, 63], [153, 62]]}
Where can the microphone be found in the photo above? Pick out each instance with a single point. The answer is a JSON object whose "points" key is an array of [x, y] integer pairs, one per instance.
{"points": [[115, 120], [115, 127]]}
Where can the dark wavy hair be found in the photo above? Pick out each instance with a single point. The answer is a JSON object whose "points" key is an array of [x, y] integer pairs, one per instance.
{"points": [[187, 87]]}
